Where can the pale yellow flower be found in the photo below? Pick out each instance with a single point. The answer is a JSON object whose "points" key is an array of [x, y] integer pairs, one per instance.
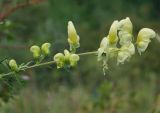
{"points": [[144, 38], [73, 38]]}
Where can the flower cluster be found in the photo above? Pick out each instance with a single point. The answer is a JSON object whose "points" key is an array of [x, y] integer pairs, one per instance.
{"points": [[40, 52], [66, 60], [69, 59], [119, 42]]}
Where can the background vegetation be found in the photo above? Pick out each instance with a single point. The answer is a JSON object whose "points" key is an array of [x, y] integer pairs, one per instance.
{"points": [[130, 88]]}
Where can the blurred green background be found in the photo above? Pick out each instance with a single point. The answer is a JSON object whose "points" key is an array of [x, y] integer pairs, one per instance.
{"points": [[129, 88]]}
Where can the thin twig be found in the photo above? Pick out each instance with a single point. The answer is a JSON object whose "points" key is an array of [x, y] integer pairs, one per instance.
{"points": [[11, 10]]}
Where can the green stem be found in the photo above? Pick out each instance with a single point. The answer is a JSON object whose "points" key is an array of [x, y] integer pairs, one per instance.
{"points": [[39, 65], [45, 63], [6, 74], [88, 53]]}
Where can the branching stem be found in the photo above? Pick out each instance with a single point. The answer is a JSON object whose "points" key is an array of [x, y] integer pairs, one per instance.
{"points": [[45, 64]]}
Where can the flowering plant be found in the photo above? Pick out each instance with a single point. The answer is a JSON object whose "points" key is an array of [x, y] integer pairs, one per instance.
{"points": [[118, 44]]}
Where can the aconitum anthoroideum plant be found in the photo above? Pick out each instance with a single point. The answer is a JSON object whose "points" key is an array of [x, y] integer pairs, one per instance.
{"points": [[117, 44]]}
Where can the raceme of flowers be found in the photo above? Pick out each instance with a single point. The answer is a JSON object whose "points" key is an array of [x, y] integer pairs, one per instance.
{"points": [[118, 45]]}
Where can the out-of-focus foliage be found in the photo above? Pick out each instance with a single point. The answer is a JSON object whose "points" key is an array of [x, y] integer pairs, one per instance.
{"points": [[133, 87]]}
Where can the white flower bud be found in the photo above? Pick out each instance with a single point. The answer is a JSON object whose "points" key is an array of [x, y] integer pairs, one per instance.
{"points": [[73, 38], [13, 65], [36, 51], [46, 48], [143, 39]]}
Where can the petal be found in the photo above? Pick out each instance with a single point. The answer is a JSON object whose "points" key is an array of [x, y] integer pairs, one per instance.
{"points": [[125, 38], [104, 43], [72, 34], [74, 57], [113, 33], [58, 57], [126, 25], [122, 57]]}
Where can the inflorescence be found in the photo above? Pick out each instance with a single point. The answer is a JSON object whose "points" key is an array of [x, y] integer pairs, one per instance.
{"points": [[118, 45]]}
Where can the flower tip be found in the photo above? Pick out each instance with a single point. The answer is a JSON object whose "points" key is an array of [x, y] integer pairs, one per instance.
{"points": [[71, 26], [70, 22], [34, 48]]}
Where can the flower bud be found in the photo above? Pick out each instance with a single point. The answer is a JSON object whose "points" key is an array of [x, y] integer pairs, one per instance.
{"points": [[13, 65], [59, 59], [73, 38], [74, 58], [36, 51], [113, 33], [144, 38], [46, 48], [126, 25]]}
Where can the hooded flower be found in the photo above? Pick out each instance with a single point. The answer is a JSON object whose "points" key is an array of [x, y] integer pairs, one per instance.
{"points": [[125, 31], [144, 38], [125, 35]]}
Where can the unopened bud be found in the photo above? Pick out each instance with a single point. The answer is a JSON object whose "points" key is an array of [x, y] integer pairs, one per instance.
{"points": [[73, 38], [46, 48], [36, 51], [13, 65]]}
